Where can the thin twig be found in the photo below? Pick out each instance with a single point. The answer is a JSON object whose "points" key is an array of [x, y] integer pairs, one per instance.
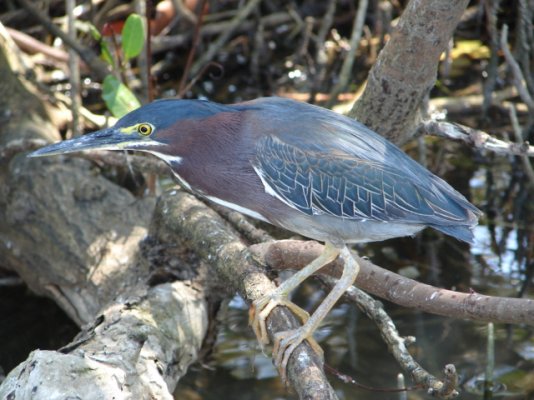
{"points": [[144, 57], [326, 23], [194, 45], [148, 52], [527, 166], [397, 345], [183, 11], [302, 49], [382, 28], [30, 45], [321, 57], [165, 43], [195, 78], [258, 49], [96, 65], [490, 361], [95, 119], [470, 104], [524, 39], [519, 79], [74, 70], [491, 7], [346, 69], [223, 38], [475, 138]]}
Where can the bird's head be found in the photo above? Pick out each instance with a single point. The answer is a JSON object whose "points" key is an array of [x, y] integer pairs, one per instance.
{"points": [[154, 127]]}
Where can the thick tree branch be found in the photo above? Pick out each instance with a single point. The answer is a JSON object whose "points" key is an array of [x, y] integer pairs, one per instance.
{"points": [[74, 236], [406, 69], [209, 236]]}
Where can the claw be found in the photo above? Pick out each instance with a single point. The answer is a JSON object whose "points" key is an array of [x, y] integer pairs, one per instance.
{"points": [[260, 310], [285, 344]]}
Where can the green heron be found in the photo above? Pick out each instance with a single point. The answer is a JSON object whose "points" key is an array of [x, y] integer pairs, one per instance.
{"points": [[297, 166]]}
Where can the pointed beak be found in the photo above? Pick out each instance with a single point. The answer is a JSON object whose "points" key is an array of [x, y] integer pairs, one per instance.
{"points": [[105, 139]]}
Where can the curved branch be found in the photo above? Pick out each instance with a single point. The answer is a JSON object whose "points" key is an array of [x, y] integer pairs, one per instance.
{"points": [[294, 254]]}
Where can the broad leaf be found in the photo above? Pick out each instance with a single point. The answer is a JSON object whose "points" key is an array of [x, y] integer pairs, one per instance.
{"points": [[119, 99], [133, 36]]}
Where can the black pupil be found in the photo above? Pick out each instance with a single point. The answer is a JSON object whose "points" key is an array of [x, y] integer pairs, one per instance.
{"points": [[144, 129]]}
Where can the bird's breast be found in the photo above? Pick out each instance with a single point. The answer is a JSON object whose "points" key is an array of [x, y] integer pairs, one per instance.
{"points": [[239, 189]]}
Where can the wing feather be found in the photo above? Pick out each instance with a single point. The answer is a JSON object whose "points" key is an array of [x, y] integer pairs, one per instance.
{"points": [[345, 186]]}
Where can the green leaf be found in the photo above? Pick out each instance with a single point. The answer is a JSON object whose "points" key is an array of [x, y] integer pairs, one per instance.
{"points": [[133, 36], [119, 99], [105, 52]]}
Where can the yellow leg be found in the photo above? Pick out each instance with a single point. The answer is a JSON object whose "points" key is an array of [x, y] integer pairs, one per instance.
{"points": [[261, 308], [286, 342], [266, 305]]}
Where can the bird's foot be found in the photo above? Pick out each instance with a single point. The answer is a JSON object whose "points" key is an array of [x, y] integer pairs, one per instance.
{"points": [[260, 310], [285, 344]]}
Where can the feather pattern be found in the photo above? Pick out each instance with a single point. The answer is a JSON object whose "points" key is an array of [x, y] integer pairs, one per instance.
{"points": [[326, 164], [348, 187]]}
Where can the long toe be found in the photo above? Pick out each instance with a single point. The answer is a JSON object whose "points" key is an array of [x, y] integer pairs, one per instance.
{"points": [[285, 344], [257, 320], [260, 310]]}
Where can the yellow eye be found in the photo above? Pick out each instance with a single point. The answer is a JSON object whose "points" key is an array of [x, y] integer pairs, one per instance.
{"points": [[144, 129]]}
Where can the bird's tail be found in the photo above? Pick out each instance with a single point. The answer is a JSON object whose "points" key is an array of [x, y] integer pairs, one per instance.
{"points": [[460, 232]]}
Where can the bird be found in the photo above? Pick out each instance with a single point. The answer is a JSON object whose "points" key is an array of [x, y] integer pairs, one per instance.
{"points": [[297, 166]]}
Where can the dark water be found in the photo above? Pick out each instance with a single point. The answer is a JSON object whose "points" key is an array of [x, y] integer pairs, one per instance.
{"points": [[29, 322]]}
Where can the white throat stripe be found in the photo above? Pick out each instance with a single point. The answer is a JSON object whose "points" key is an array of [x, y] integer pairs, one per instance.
{"points": [[168, 159]]}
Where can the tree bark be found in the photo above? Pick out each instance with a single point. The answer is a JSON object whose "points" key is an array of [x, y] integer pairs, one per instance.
{"points": [[208, 235]]}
